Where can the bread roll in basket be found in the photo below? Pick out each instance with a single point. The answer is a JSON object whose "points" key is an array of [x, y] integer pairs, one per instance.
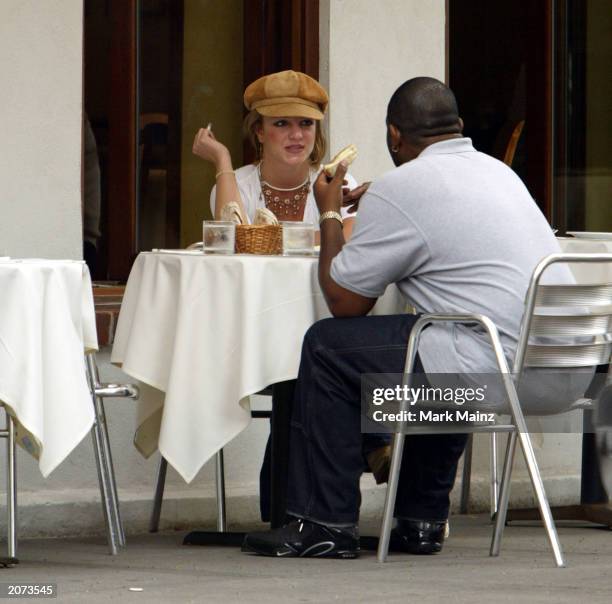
{"points": [[263, 237]]}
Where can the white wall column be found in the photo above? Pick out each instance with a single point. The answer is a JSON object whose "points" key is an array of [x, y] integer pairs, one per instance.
{"points": [[367, 50], [41, 59]]}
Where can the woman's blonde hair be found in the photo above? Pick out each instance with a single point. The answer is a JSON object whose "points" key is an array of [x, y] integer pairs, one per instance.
{"points": [[253, 120]]}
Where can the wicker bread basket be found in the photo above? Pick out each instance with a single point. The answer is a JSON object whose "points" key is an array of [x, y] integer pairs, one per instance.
{"points": [[262, 239]]}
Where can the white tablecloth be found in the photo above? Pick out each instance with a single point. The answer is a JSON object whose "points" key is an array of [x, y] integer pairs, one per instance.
{"points": [[591, 272], [47, 320], [204, 332]]}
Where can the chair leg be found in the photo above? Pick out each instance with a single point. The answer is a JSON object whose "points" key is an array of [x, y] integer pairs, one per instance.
{"points": [[104, 479], [11, 490], [398, 447], [387, 521], [110, 471], [523, 436], [504, 495], [220, 488], [159, 495], [107, 457], [466, 476], [494, 491], [538, 486], [113, 538]]}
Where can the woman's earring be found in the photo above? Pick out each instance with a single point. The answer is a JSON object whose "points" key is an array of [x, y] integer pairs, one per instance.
{"points": [[394, 149]]}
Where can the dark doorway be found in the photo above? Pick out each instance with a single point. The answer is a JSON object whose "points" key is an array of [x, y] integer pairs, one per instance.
{"points": [[500, 67], [156, 71]]}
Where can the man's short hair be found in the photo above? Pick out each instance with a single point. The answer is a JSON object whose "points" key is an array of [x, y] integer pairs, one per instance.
{"points": [[424, 107]]}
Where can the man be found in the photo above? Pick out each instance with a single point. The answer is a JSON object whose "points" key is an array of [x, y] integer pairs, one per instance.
{"points": [[458, 232]]}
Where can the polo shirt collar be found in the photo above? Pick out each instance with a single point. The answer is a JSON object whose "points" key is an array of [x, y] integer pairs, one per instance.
{"points": [[452, 145]]}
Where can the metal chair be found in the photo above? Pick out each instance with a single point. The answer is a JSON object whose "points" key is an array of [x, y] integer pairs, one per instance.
{"points": [[563, 326], [102, 451]]}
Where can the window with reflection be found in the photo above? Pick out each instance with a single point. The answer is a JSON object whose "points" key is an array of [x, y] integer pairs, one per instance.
{"points": [[190, 68], [583, 115], [154, 72], [188, 72]]}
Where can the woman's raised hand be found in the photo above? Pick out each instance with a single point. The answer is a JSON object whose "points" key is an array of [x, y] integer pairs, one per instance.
{"points": [[351, 198], [206, 146]]}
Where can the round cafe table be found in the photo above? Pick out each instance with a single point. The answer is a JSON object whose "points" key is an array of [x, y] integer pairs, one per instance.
{"points": [[203, 332]]}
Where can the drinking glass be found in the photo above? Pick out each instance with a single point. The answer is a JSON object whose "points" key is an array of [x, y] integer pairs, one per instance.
{"points": [[298, 238], [218, 236]]}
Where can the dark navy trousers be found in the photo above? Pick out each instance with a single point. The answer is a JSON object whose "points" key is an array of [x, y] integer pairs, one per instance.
{"points": [[326, 444]]}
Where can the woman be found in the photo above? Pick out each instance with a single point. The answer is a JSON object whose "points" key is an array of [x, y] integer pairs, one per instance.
{"points": [[284, 127]]}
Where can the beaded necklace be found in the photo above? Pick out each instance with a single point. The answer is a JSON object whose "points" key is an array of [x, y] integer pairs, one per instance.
{"points": [[285, 204]]}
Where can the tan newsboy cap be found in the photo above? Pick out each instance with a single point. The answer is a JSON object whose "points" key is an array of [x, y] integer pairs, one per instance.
{"points": [[287, 94]]}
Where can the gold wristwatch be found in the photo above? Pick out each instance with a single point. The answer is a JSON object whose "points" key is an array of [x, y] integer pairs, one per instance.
{"points": [[331, 214]]}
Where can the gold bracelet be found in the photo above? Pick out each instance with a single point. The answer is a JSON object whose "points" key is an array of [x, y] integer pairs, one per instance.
{"points": [[223, 172], [334, 215]]}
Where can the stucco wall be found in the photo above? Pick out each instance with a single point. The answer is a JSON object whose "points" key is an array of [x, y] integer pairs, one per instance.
{"points": [[40, 128], [367, 50]]}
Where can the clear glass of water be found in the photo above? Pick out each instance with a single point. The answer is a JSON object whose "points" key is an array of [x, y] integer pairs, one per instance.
{"points": [[298, 238], [218, 236]]}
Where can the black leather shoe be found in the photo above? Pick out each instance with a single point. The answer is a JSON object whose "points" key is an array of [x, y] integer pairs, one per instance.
{"points": [[418, 536], [304, 539], [8, 562]]}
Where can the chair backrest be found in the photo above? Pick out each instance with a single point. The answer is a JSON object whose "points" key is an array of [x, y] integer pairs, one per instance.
{"points": [[566, 325], [513, 143]]}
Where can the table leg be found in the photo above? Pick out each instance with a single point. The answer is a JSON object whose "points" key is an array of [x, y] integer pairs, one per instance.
{"points": [[282, 407]]}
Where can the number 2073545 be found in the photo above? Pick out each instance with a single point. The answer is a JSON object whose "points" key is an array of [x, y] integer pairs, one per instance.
{"points": [[28, 590]]}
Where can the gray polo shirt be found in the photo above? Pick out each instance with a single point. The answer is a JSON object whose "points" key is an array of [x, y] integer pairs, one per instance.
{"points": [[459, 233]]}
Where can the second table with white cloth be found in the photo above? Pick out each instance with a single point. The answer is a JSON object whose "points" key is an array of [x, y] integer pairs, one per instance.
{"points": [[588, 273], [47, 322], [203, 332]]}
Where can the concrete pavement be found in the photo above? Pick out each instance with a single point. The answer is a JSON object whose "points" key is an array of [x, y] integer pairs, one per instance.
{"points": [[167, 571]]}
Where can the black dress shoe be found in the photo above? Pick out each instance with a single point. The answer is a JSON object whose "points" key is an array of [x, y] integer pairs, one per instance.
{"points": [[7, 562], [418, 536], [304, 539]]}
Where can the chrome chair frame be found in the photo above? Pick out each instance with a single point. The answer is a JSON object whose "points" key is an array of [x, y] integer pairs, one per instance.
{"points": [[102, 452], [466, 476], [11, 487], [518, 428]]}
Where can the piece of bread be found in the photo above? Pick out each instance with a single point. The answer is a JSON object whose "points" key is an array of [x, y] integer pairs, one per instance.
{"points": [[264, 216], [231, 212], [348, 154]]}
